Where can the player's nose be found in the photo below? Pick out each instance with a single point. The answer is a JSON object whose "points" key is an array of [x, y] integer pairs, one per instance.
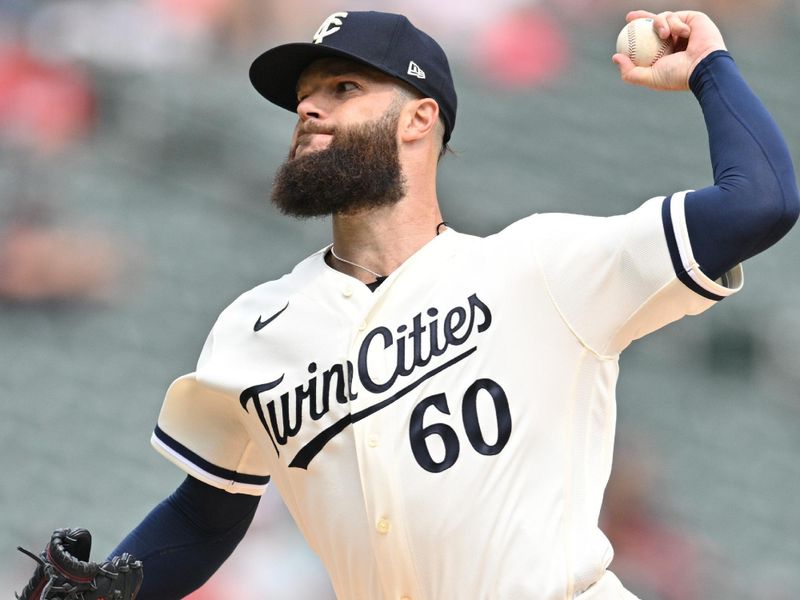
{"points": [[310, 107]]}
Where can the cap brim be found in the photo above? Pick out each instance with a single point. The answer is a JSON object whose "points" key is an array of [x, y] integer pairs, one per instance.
{"points": [[275, 73]]}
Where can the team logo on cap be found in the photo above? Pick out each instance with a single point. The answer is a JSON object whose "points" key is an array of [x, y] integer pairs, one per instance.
{"points": [[415, 71], [330, 25]]}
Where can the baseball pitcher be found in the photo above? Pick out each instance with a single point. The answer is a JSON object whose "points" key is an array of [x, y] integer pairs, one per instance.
{"points": [[437, 410]]}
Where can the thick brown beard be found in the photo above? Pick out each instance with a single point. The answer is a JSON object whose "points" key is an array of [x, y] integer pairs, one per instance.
{"points": [[358, 171]]}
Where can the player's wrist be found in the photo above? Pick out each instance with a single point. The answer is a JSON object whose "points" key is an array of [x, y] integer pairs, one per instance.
{"points": [[702, 62], [704, 67]]}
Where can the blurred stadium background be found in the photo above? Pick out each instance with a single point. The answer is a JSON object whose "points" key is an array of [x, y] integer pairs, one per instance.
{"points": [[135, 164]]}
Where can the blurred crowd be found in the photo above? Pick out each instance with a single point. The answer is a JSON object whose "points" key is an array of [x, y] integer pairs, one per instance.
{"points": [[56, 55], [59, 60]]}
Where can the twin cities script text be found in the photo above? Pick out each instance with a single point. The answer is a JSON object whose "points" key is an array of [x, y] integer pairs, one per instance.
{"points": [[412, 346]]}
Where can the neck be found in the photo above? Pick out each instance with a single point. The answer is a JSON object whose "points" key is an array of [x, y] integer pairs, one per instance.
{"points": [[382, 239]]}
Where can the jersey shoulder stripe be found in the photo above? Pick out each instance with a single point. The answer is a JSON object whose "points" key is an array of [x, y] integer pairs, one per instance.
{"points": [[170, 443], [686, 268]]}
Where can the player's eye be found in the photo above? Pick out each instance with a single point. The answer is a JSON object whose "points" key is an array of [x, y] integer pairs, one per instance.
{"points": [[342, 87]]}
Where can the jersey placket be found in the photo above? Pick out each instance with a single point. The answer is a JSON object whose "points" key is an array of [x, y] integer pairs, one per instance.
{"points": [[375, 452]]}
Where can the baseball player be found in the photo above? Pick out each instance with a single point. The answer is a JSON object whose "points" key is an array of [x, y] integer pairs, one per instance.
{"points": [[437, 410]]}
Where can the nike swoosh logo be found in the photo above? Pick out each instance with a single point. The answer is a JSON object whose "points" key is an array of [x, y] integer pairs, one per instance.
{"points": [[261, 324]]}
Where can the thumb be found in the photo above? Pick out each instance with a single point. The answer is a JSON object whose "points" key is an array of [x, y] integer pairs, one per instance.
{"points": [[629, 72]]}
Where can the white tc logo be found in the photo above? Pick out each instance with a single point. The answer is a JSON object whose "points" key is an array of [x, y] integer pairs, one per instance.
{"points": [[330, 25]]}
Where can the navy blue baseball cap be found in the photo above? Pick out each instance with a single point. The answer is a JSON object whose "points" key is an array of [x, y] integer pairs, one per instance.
{"points": [[385, 41]]}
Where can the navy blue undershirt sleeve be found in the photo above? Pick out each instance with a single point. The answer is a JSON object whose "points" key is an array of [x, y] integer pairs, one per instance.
{"points": [[754, 200], [187, 537]]}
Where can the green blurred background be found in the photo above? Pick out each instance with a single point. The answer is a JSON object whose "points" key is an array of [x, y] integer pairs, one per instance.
{"points": [[135, 167]]}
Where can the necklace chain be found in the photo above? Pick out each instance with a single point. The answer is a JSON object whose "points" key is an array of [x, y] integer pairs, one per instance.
{"points": [[370, 271], [363, 268]]}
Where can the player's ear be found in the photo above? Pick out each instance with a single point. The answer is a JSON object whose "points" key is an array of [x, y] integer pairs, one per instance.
{"points": [[418, 119]]}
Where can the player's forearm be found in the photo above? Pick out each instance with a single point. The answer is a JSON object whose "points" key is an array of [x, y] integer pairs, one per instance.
{"points": [[186, 538], [754, 200]]}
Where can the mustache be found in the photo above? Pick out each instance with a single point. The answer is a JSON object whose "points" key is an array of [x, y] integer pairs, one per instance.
{"points": [[306, 130], [311, 126]]}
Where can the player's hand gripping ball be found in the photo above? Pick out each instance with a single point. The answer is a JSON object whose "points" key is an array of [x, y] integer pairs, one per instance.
{"points": [[642, 44], [64, 572]]}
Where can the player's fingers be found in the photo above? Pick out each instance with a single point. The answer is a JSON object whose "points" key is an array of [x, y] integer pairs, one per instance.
{"points": [[677, 26], [628, 71], [622, 61], [639, 14], [659, 21], [667, 23]]}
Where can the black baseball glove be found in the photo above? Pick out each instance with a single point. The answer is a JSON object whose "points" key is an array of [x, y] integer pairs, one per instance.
{"points": [[64, 572]]}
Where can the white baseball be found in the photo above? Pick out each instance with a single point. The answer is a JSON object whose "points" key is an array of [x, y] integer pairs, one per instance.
{"points": [[640, 41]]}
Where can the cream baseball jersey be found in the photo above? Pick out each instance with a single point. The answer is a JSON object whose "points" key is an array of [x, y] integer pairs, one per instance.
{"points": [[450, 434]]}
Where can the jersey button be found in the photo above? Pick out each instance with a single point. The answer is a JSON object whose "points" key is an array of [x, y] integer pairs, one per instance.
{"points": [[373, 440], [383, 526], [362, 326], [347, 291]]}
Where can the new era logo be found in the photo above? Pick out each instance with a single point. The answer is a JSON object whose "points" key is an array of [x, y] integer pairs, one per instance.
{"points": [[415, 71]]}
